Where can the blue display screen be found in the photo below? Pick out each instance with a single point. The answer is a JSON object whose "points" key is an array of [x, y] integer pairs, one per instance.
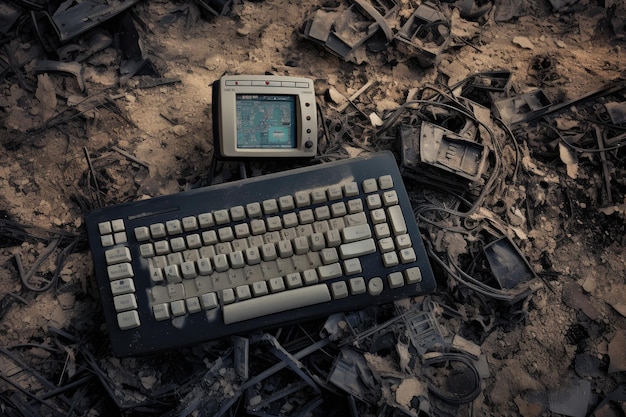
{"points": [[266, 121]]}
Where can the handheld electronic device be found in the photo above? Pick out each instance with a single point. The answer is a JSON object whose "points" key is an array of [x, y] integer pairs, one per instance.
{"points": [[264, 116]]}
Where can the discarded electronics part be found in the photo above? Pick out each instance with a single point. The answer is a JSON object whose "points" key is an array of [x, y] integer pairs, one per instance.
{"points": [[340, 33], [482, 87], [425, 35], [241, 354], [343, 33], [412, 169], [423, 329], [457, 382], [74, 68], [216, 7], [523, 107], [351, 373], [508, 265], [83, 16], [562, 5], [601, 92], [616, 111], [379, 18], [446, 150]]}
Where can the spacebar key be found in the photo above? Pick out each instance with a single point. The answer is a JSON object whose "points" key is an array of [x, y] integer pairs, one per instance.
{"points": [[275, 303]]}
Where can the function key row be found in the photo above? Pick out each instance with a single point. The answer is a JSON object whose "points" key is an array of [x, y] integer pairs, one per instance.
{"points": [[270, 206]]}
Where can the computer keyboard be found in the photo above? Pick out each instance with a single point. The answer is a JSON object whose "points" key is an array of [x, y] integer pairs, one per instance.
{"points": [[261, 252]]}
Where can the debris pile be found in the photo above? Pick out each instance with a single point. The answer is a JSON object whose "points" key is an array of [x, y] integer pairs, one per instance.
{"points": [[518, 185]]}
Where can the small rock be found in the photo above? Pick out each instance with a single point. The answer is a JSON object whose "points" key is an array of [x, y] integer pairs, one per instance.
{"points": [[180, 130], [560, 44], [523, 42], [243, 32]]}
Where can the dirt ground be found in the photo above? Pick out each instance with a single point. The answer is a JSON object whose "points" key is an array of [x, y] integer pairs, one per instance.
{"points": [[559, 351]]}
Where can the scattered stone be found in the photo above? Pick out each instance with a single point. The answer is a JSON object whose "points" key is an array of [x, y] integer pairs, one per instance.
{"points": [[523, 42]]}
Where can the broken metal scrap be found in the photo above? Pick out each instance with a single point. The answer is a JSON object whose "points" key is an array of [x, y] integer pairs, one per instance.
{"points": [[424, 35], [342, 33]]}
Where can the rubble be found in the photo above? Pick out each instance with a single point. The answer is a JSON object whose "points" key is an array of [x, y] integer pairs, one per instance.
{"points": [[516, 176]]}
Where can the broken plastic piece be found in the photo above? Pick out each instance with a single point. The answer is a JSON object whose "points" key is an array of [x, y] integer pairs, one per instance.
{"points": [[617, 112], [74, 68], [342, 33], [446, 150], [424, 35], [69, 22], [523, 107], [508, 265], [351, 373], [423, 328]]}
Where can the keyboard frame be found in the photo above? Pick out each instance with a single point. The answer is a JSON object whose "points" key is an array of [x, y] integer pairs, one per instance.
{"points": [[157, 336]]}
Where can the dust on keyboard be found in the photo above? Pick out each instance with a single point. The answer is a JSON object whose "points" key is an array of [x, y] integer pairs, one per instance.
{"points": [[203, 264]]}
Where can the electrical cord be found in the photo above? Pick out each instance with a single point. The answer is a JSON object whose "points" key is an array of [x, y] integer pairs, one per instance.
{"points": [[448, 397]]}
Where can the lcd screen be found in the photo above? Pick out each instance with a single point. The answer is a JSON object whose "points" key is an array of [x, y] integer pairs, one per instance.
{"points": [[266, 121]]}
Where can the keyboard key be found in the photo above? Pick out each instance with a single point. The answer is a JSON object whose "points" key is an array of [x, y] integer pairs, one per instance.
{"points": [[334, 192], [254, 210], [142, 233], [188, 269], [277, 284], [306, 216], [220, 262], [120, 271], [318, 196], [309, 277], [354, 249], [286, 203], [146, 250], [206, 220], [157, 230], [221, 217], [390, 198], [227, 295], [204, 266], [178, 244], [172, 274], [385, 182], [374, 201], [355, 206], [190, 223], [225, 234], [382, 230], [237, 213], [208, 301], [105, 228], [125, 302], [329, 271], [194, 241], [395, 280], [193, 305], [351, 189], [120, 237], [301, 245], [161, 311], [339, 289], [375, 286], [293, 280], [117, 225], [122, 286], [403, 241], [128, 320], [156, 275], [390, 259], [276, 303], [354, 233], [270, 206], [178, 308], [253, 256], [162, 247], [352, 266], [174, 227], [322, 213], [274, 223], [268, 252], [378, 216], [329, 256], [413, 275], [396, 218], [338, 209], [302, 199], [236, 259], [386, 245], [259, 288], [357, 286], [117, 255], [407, 255], [242, 292], [370, 185], [107, 240]]}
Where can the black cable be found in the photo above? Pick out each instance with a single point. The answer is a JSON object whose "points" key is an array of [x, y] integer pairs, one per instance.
{"points": [[448, 397]]}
